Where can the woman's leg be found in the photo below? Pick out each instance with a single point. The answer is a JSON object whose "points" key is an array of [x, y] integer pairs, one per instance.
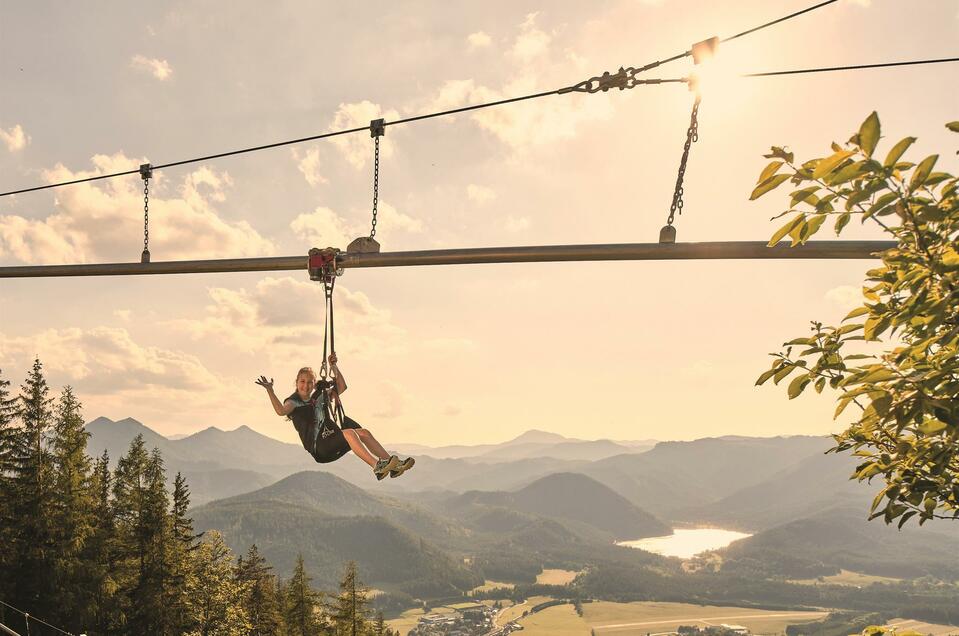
{"points": [[354, 441], [375, 447]]}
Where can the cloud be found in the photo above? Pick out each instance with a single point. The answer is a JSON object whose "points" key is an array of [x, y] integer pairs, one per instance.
{"points": [[525, 125], [160, 69], [392, 399], [106, 360], [479, 40], [103, 220], [532, 42], [14, 138], [845, 297], [862, 3], [325, 228], [123, 314], [514, 224], [451, 411], [279, 315], [309, 165], [357, 149], [479, 194]]}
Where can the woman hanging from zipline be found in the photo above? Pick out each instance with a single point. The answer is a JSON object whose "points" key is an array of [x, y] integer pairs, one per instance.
{"points": [[315, 407]]}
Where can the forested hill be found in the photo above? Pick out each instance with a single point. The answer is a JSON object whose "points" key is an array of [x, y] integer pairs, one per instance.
{"points": [[571, 497]]}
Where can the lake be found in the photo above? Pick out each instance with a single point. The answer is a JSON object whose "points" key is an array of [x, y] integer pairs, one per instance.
{"points": [[685, 543]]}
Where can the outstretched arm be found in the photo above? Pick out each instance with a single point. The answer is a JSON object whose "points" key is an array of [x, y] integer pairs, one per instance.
{"points": [[280, 408]]}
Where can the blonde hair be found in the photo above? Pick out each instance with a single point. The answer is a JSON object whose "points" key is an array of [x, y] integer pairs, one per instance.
{"points": [[306, 370]]}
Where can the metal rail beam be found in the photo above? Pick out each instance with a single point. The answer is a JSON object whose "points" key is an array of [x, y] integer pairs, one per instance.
{"points": [[529, 254]]}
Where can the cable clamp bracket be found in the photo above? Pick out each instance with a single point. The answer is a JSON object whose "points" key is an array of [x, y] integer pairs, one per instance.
{"points": [[377, 128]]}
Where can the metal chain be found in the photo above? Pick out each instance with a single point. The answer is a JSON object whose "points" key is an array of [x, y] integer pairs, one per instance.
{"points": [[692, 136], [146, 215], [376, 182]]}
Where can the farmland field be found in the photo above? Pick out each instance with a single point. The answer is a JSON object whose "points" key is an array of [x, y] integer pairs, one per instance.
{"points": [[556, 577], [625, 619], [559, 620]]}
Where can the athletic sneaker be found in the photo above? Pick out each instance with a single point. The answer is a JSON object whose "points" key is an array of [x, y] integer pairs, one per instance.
{"points": [[402, 467], [384, 466]]}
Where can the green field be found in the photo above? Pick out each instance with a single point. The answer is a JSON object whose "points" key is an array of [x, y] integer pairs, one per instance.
{"points": [[559, 620], [845, 577], [903, 625], [644, 617], [492, 585], [556, 577]]}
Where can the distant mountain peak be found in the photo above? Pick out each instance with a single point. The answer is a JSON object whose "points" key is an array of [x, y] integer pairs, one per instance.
{"points": [[535, 436]]}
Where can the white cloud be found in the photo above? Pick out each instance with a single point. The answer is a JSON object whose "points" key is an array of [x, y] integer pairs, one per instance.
{"points": [[279, 315], [514, 224], [527, 124], [392, 399], [106, 360], [532, 42], [160, 69], [309, 165], [123, 314], [479, 40], [845, 297], [479, 194], [357, 149], [325, 228], [14, 138], [103, 220]]}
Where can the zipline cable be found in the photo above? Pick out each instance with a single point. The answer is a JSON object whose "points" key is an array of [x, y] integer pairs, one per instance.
{"points": [[29, 617], [852, 67], [601, 86]]}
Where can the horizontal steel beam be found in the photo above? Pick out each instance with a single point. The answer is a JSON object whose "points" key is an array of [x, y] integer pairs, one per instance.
{"points": [[530, 254]]}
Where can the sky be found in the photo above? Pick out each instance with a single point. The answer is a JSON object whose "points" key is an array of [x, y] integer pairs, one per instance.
{"points": [[452, 354]]}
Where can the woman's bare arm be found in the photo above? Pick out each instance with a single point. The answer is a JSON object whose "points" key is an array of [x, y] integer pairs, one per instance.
{"points": [[281, 408]]}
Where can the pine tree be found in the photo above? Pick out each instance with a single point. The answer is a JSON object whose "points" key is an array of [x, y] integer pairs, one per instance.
{"points": [[349, 609], [301, 604], [31, 492], [182, 544], [215, 592], [8, 410], [73, 511], [100, 552], [260, 601], [134, 538]]}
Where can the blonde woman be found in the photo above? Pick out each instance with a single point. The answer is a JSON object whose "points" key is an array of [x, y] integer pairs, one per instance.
{"points": [[311, 408]]}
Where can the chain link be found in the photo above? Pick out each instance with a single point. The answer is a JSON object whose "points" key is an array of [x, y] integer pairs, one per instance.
{"points": [[376, 182], [146, 215], [692, 136]]}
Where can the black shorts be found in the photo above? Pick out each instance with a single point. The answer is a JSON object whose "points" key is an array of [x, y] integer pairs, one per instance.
{"points": [[334, 445]]}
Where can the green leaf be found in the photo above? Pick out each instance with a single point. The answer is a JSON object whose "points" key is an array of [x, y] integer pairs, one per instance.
{"points": [[858, 311], [813, 226], [953, 126], [797, 385], [820, 385], [841, 222], [853, 170], [769, 171], [931, 427], [869, 134], [922, 171], [779, 153], [782, 373], [805, 194], [786, 229], [765, 376], [828, 164], [897, 151], [771, 183]]}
